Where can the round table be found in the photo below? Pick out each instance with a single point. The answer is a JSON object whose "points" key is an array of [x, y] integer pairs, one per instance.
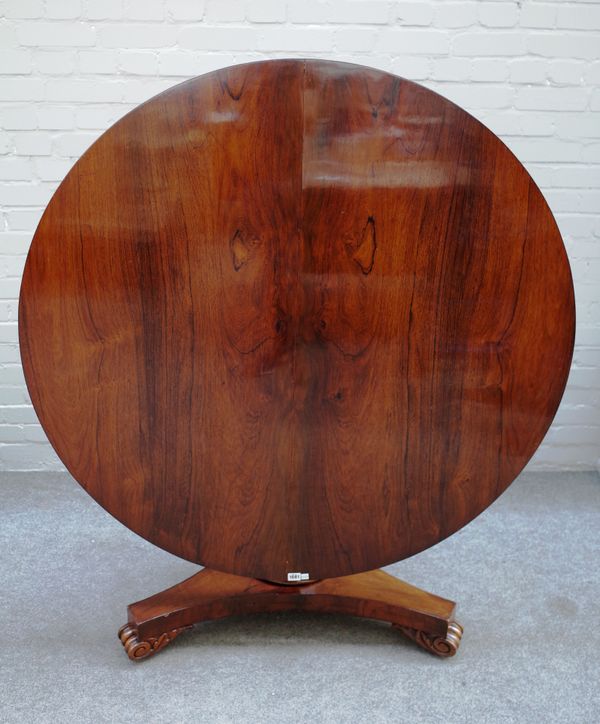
{"points": [[295, 319]]}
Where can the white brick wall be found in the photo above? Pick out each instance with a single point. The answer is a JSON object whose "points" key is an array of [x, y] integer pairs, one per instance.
{"points": [[530, 70]]}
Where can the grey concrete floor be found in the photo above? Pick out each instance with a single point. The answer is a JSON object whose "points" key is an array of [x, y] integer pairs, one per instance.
{"points": [[526, 575]]}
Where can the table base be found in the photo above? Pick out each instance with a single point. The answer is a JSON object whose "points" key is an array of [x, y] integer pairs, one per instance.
{"points": [[209, 595]]}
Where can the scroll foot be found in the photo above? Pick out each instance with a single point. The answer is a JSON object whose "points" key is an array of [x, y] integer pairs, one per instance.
{"points": [[136, 649], [444, 646]]}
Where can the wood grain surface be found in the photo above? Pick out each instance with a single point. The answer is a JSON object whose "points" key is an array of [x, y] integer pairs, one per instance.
{"points": [[296, 316]]}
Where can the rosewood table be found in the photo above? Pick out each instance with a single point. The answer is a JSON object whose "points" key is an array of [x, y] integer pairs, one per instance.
{"points": [[294, 321]]}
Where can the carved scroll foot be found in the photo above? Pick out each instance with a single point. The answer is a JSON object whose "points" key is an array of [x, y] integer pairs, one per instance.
{"points": [[136, 649], [444, 646], [210, 595]]}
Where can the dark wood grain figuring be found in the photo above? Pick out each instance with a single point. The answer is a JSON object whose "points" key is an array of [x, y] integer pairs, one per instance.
{"points": [[296, 316], [210, 595]]}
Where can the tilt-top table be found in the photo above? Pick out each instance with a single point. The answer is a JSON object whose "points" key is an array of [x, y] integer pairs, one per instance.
{"points": [[294, 321]]}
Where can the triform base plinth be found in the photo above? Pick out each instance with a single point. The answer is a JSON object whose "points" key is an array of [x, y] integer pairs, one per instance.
{"points": [[208, 595]]}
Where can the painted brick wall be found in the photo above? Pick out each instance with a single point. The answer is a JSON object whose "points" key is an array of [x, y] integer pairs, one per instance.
{"points": [[530, 70]]}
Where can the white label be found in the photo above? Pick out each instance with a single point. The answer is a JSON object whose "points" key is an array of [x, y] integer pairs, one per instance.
{"points": [[298, 577]]}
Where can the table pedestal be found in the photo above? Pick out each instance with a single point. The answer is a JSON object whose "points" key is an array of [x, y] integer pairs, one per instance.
{"points": [[209, 595]]}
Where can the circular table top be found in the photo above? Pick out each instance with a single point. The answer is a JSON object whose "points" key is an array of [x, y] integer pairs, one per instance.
{"points": [[296, 316]]}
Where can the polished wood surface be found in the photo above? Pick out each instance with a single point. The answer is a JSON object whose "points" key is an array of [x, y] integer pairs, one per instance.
{"points": [[210, 595], [296, 316]]}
